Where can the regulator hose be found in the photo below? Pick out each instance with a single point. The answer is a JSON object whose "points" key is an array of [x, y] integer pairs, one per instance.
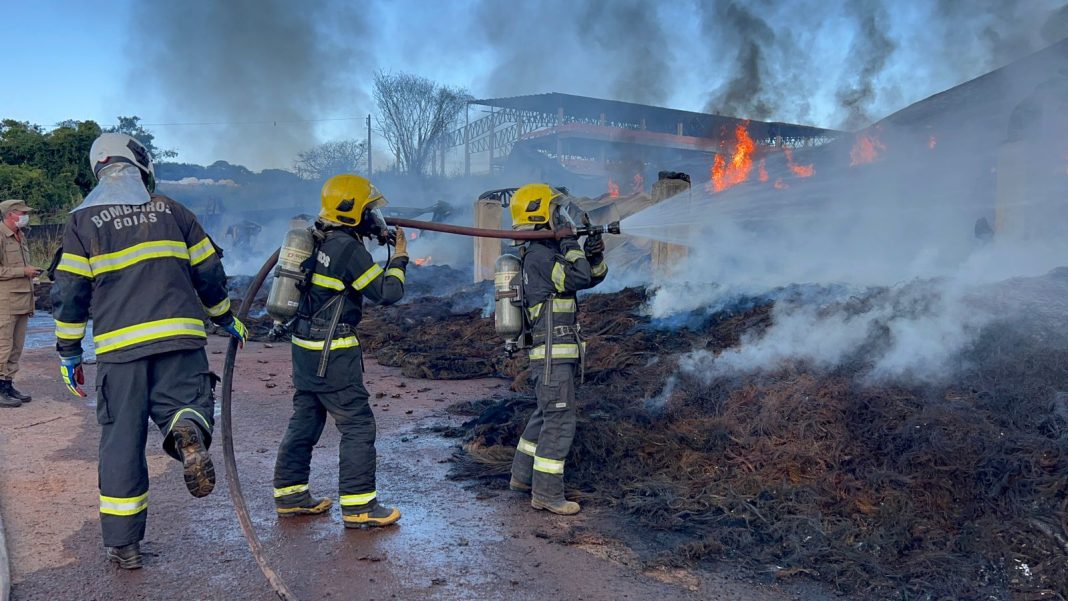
{"points": [[232, 480]]}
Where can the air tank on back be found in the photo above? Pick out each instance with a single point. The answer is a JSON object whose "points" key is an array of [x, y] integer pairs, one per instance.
{"points": [[508, 312], [284, 298]]}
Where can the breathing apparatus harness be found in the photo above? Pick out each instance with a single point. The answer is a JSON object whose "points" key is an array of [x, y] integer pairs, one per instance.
{"points": [[551, 330], [314, 326]]}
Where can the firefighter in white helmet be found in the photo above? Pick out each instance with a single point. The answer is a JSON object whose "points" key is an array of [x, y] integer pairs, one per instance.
{"points": [[151, 276], [328, 360]]}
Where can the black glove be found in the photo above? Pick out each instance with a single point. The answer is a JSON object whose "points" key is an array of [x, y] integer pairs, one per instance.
{"points": [[594, 246]]}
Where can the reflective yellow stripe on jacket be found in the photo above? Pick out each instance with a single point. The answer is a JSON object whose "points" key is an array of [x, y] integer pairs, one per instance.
{"points": [[70, 331], [574, 255], [199, 252], [367, 277], [138, 253], [560, 351], [317, 345], [560, 305], [599, 269], [558, 276], [123, 505], [75, 264], [145, 332], [326, 281], [219, 309], [396, 272]]}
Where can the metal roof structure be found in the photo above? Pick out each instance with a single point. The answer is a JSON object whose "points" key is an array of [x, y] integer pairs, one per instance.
{"points": [[631, 115], [566, 124]]}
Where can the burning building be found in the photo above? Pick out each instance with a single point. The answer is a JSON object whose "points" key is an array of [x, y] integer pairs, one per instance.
{"points": [[607, 146]]}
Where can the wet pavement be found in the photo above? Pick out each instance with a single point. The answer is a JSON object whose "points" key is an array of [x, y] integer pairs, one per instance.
{"points": [[455, 541]]}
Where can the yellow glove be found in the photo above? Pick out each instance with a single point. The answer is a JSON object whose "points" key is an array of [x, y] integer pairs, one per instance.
{"points": [[401, 245]]}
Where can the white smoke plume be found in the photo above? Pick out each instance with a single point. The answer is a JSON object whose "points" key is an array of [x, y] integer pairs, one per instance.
{"points": [[894, 252]]}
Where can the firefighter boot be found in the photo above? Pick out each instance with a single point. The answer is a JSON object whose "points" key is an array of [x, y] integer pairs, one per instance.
{"points": [[8, 388], [199, 471], [301, 503], [372, 514], [127, 556], [559, 506], [518, 485]]}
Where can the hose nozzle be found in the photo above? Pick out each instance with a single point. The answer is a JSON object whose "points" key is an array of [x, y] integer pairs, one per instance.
{"points": [[596, 230]]}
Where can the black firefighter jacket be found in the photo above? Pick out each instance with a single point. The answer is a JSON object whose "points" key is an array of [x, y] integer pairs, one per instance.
{"points": [[343, 269], [148, 274], [557, 270]]}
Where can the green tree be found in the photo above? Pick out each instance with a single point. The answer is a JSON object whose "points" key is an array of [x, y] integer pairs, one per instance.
{"points": [[131, 126], [50, 170]]}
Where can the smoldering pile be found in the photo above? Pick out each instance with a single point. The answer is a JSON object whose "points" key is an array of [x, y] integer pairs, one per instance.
{"points": [[954, 490]]}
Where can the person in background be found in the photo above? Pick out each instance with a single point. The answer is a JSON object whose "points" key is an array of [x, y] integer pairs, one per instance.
{"points": [[16, 296]]}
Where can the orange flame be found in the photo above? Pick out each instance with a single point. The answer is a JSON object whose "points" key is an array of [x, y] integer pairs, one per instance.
{"points": [[932, 142], [762, 171], [781, 185], [799, 170], [725, 175], [613, 189], [421, 261], [866, 149], [638, 184], [413, 235]]}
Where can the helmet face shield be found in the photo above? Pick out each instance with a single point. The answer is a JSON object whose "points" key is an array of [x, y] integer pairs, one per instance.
{"points": [[379, 219], [567, 214]]}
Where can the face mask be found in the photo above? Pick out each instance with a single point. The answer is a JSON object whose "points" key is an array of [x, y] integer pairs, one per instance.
{"points": [[22, 221]]}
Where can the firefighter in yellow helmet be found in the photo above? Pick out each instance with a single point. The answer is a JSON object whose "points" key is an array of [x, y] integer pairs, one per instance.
{"points": [[328, 360], [553, 271]]}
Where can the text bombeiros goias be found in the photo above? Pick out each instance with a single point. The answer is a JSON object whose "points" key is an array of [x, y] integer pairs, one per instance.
{"points": [[121, 216]]}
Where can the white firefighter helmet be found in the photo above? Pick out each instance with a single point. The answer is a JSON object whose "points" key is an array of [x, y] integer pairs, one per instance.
{"points": [[114, 147]]}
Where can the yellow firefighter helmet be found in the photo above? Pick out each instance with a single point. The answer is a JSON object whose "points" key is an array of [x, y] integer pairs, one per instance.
{"points": [[532, 205], [346, 196]]}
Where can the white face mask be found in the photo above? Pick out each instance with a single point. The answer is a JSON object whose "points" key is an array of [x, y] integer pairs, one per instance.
{"points": [[22, 221]]}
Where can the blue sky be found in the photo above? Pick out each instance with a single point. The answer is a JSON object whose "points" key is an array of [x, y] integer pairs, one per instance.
{"points": [[261, 60]]}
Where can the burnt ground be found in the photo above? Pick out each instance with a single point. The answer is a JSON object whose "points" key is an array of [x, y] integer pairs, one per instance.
{"points": [[456, 540]]}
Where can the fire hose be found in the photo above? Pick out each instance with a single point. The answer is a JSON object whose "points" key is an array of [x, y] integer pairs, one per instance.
{"points": [[232, 480]]}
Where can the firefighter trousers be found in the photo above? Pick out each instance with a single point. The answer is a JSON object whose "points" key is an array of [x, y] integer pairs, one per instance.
{"points": [[546, 441], [356, 453], [167, 387]]}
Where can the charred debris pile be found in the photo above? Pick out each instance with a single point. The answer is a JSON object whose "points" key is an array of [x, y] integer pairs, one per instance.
{"points": [[957, 490]]}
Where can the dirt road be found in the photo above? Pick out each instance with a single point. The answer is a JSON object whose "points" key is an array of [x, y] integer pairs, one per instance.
{"points": [[453, 542]]}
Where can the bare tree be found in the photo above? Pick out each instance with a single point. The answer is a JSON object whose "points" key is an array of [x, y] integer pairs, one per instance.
{"points": [[414, 113], [331, 158]]}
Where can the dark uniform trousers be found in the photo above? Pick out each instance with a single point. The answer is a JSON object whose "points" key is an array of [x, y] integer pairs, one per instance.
{"points": [[167, 387], [349, 407], [546, 441]]}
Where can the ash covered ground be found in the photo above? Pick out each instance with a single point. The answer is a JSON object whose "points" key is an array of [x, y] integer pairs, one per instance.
{"points": [[924, 491]]}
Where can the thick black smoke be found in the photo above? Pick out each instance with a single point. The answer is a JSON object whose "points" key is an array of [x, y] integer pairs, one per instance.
{"points": [[254, 71], [773, 57], [615, 49]]}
